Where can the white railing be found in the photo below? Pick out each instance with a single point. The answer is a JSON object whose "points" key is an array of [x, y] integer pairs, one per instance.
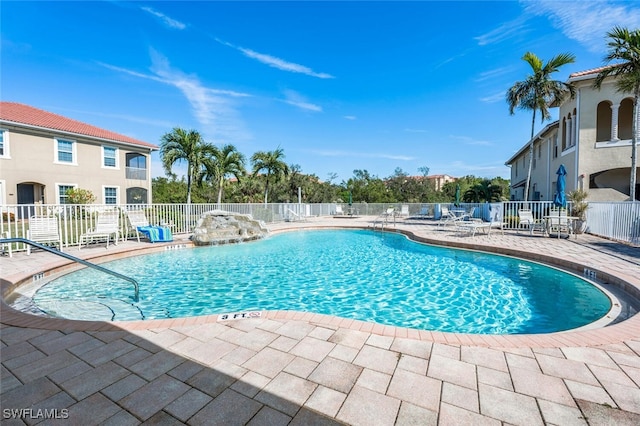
{"points": [[615, 221], [618, 221]]}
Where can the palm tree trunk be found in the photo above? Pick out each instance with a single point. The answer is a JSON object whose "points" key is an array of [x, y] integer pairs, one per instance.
{"points": [[220, 191], [526, 186], [634, 144], [266, 191], [189, 184]]}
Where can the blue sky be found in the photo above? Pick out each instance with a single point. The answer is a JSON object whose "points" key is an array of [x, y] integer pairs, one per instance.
{"points": [[338, 85]]}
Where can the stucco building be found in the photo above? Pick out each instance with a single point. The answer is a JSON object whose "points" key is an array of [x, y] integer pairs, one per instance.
{"points": [[43, 154], [592, 138]]}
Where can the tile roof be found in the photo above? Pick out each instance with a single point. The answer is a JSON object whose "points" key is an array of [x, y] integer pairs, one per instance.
{"points": [[25, 114], [590, 72]]}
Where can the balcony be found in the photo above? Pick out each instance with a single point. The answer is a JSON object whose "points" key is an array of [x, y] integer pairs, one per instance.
{"points": [[136, 173]]}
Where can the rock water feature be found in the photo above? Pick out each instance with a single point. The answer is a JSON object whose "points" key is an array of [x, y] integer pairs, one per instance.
{"points": [[222, 227]]}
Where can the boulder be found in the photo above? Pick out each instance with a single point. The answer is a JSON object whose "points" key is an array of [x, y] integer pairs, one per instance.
{"points": [[222, 227]]}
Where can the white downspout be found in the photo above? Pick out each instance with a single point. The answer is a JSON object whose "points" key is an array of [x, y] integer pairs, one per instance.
{"points": [[577, 151], [549, 153]]}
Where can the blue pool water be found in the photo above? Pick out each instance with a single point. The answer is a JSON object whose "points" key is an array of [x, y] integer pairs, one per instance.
{"points": [[383, 278]]}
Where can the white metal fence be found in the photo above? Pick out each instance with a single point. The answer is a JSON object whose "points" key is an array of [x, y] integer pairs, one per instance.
{"points": [[616, 221]]}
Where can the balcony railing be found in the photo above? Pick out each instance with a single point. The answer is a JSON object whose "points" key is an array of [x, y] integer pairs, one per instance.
{"points": [[136, 173]]}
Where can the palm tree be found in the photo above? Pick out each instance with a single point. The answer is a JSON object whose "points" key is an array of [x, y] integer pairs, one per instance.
{"points": [[184, 145], [222, 163], [624, 45], [539, 93], [272, 163], [484, 191]]}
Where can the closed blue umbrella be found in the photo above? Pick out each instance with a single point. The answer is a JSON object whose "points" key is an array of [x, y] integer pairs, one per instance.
{"points": [[560, 199], [457, 203]]}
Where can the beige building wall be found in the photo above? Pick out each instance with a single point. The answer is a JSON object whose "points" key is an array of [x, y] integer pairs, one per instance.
{"points": [[595, 157], [32, 159], [588, 159]]}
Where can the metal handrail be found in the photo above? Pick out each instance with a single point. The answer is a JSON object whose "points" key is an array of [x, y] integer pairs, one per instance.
{"points": [[76, 259]]}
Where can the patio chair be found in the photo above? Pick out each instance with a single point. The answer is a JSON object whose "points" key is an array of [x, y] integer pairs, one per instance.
{"points": [[339, 211], [526, 219], [471, 227], [448, 217], [44, 230], [107, 224], [558, 222], [404, 211], [136, 219], [139, 222], [469, 213]]}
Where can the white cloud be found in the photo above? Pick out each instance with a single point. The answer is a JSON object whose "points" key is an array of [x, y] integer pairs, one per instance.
{"points": [[496, 97], [470, 141], [214, 109], [294, 98], [275, 62], [587, 22], [491, 74], [503, 32], [350, 117], [169, 22]]}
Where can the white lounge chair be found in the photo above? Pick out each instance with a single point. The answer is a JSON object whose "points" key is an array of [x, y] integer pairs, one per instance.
{"points": [[339, 211], [404, 211], [448, 217], [136, 218], [44, 230], [106, 225], [474, 225], [527, 220]]}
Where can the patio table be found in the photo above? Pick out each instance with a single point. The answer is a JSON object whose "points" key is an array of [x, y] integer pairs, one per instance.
{"points": [[555, 220]]}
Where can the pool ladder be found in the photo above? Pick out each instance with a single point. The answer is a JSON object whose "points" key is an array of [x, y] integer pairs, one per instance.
{"points": [[136, 287], [383, 220]]}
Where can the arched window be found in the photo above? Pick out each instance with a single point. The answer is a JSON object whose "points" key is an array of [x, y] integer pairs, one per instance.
{"points": [[564, 133], [603, 121], [625, 119], [574, 128], [136, 196]]}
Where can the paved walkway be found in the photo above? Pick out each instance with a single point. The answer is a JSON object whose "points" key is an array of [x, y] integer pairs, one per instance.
{"points": [[305, 369]]}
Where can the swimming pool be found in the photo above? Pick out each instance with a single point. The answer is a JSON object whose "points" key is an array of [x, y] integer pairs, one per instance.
{"points": [[379, 277]]}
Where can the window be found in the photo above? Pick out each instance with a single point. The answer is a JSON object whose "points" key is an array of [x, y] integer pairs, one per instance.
{"points": [[625, 119], [136, 196], [4, 143], [136, 166], [109, 157], [65, 151], [110, 195], [555, 146], [63, 198]]}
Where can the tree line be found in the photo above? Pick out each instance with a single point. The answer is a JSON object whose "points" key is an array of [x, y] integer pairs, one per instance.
{"points": [[217, 174]]}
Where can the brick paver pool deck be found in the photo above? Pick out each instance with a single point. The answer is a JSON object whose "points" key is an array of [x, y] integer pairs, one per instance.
{"points": [[305, 369]]}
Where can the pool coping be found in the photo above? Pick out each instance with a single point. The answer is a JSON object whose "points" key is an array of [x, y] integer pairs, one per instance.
{"points": [[624, 330]]}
